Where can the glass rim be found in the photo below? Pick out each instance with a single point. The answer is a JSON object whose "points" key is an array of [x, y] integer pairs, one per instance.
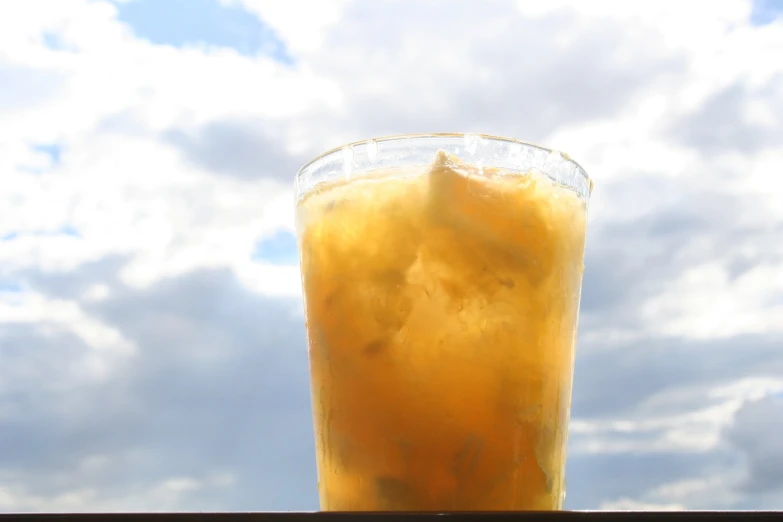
{"points": [[462, 135]]}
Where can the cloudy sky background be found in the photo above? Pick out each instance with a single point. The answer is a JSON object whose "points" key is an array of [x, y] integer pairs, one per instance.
{"points": [[152, 353]]}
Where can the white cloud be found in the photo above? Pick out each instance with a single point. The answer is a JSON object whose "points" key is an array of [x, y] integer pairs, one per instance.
{"points": [[627, 504], [755, 433], [705, 303], [304, 35], [124, 189], [697, 430], [163, 496], [55, 316], [34, 308], [699, 492]]}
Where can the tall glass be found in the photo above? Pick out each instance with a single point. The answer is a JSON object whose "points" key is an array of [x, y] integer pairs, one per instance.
{"points": [[442, 276]]}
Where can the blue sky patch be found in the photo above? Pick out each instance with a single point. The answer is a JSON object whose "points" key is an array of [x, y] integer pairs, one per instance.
{"points": [[10, 287], [202, 22], [67, 230], [766, 11], [53, 41], [52, 150], [278, 249]]}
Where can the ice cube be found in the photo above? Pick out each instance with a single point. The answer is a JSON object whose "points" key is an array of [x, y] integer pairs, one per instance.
{"points": [[503, 211]]}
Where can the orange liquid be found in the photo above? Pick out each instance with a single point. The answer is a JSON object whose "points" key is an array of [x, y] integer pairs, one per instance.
{"points": [[441, 307]]}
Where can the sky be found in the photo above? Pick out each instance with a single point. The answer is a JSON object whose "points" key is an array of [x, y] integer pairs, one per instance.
{"points": [[152, 348]]}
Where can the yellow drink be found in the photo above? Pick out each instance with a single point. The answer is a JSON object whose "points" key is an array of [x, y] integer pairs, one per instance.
{"points": [[441, 304]]}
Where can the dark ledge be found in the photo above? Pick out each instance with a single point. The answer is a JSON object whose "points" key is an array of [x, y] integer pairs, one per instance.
{"points": [[576, 516]]}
